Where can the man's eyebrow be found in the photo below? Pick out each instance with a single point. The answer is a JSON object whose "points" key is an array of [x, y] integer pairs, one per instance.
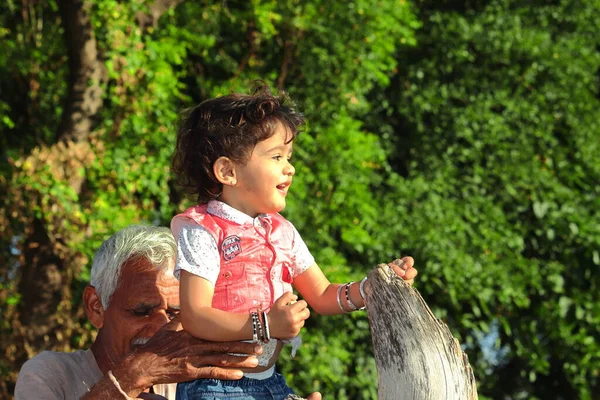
{"points": [[176, 308], [146, 305]]}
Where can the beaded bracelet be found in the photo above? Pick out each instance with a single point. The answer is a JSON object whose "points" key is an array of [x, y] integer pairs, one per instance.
{"points": [[339, 298], [350, 303], [255, 324], [261, 334]]}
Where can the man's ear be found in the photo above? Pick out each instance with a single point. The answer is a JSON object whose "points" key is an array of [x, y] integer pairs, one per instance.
{"points": [[224, 170], [93, 306]]}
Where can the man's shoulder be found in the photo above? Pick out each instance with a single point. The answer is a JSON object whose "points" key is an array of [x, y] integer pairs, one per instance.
{"points": [[53, 373], [57, 358], [41, 374], [53, 364]]}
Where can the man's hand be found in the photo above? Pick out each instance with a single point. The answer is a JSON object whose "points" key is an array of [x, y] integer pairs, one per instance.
{"points": [[404, 269], [313, 396], [173, 355]]}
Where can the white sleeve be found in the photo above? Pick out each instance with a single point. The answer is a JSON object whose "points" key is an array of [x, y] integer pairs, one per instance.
{"points": [[300, 254], [197, 253]]}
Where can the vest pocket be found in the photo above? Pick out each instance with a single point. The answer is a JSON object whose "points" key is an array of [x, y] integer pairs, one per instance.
{"points": [[231, 289], [286, 274]]}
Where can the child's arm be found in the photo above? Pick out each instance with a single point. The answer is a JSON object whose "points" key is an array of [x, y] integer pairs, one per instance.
{"points": [[325, 298], [202, 321], [322, 295]]}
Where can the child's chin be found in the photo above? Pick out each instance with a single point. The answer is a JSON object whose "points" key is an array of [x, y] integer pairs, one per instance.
{"points": [[276, 209]]}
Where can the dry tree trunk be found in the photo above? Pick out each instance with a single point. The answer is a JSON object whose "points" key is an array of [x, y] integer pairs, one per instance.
{"points": [[416, 355]]}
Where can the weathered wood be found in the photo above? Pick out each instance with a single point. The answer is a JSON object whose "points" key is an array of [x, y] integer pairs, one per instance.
{"points": [[416, 355]]}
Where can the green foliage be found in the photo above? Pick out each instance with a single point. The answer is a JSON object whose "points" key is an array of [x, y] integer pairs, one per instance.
{"points": [[31, 61], [498, 111], [463, 134]]}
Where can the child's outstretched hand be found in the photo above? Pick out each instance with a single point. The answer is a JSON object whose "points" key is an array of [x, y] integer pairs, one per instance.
{"points": [[404, 268], [287, 316]]}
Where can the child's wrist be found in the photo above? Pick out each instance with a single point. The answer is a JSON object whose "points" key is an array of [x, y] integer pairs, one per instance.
{"points": [[260, 326], [349, 297], [361, 289], [355, 296], [349, 301]]}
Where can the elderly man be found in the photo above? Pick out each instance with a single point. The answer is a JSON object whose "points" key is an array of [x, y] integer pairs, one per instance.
{"points": [[140, 350]]}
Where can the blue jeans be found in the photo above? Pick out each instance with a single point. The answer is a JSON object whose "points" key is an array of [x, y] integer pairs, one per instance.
{"points": [[273, 388]]}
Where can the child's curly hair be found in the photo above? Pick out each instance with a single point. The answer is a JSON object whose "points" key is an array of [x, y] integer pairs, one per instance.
{"points": [[228, 126]]}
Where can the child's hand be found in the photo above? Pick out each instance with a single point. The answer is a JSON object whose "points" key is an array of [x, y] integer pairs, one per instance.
{"points": [[404, 269], [287, 316]]}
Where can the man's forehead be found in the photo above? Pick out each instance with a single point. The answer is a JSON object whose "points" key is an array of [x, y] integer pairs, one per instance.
{"points": [[151, 296], [139, 284]]}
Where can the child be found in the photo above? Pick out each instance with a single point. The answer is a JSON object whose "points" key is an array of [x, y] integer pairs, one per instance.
{"points": [[238, 259]]}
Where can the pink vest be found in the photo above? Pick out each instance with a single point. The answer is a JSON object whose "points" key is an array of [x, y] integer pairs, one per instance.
{"points": [[256, 266]]}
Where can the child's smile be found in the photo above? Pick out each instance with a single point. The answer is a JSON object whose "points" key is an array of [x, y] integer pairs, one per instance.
{"points": [[283, 188]]}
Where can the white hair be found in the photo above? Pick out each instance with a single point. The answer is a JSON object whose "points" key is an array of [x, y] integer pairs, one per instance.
{"points": [[153, 243]]}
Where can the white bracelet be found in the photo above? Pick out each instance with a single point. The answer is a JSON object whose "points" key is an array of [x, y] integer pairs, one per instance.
{"points": [[363, 299], [339, 298], [267, 330], [361, 289], [117, 385]]}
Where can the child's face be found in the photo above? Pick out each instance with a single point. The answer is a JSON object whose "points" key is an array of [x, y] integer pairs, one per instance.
{"points": [[263, 182]]}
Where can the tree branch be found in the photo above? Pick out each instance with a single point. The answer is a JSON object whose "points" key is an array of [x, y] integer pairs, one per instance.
{"points": [[287, 59]]}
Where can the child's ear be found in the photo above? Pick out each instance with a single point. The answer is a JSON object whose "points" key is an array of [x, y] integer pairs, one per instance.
{"points": [[224, 170]]}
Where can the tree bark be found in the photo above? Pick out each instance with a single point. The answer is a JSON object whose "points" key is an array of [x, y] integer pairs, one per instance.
{"points": [[416, 355], [86, 71]]}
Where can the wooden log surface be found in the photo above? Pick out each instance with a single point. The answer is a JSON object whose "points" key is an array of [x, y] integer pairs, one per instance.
{"points": [[416, 355]]}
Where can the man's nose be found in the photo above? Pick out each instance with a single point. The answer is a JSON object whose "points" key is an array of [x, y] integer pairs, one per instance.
{"points": [[157, 321]]}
